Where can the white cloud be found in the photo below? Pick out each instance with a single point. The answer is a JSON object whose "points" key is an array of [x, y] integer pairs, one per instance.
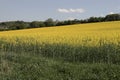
{"points": [[111, 13], [62, 10]]}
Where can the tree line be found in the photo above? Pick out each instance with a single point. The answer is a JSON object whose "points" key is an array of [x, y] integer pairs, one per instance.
{"points": [[16, 25]]}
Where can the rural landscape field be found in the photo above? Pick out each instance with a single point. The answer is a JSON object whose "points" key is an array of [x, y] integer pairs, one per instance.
{"points": [[59, 39], [73, 52]]}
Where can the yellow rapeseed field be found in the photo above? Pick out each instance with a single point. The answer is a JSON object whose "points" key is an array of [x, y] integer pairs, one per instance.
{"points": [[80, 34]]}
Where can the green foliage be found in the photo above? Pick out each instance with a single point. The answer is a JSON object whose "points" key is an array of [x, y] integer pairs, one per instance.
{"points": [[14, 25], [26, 66], [96, 19], [49, 22], [105, 53], [112, 17], [36, 24]]}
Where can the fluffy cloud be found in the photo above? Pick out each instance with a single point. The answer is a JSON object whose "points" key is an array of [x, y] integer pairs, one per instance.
{"points": [[62, 10]]}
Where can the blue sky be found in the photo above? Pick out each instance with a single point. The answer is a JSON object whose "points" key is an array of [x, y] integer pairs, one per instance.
{"points": [[31, 10]]}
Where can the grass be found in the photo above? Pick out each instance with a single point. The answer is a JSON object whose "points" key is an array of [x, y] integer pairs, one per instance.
{"points": [[75, 52], [33, 67]]}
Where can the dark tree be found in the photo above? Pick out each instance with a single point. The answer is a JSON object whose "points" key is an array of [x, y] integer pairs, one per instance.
{"points": [[49, 22], [112, 17]]}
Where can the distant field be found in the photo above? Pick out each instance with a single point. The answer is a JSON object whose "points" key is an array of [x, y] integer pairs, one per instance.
{"points": [[76, 52]]}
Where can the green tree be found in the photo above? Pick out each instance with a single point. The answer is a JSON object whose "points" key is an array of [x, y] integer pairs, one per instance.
{"points": [[34, 24], [112, 17], [49, 22]]}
